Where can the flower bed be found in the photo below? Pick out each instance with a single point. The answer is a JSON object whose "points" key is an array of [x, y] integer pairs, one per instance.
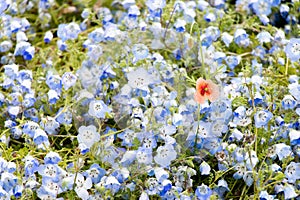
{"points": [[150, 99]]}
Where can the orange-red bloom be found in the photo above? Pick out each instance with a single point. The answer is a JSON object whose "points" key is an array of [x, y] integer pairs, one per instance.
{"points": [[206, 89]]}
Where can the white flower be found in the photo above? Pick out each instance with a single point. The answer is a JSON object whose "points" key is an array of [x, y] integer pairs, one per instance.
{"points": [[88, 135]]}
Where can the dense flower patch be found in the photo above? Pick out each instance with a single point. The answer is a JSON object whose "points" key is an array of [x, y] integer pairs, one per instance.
{"points": [[149, 99]]}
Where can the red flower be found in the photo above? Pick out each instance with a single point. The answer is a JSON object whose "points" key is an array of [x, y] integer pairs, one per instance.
{"points": [[206, 89]]}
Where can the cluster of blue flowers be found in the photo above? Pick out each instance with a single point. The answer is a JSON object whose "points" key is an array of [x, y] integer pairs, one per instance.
{"points": [[102, 105]]}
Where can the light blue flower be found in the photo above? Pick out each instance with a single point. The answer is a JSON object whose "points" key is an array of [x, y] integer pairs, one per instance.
{"points": [[289, 192], [282, 150], [292, 49], [88, 135], [204, 168], [140, 52], [262, 118], [262, 7], [8, 181], [288, 102], [292, 172], [52, 158], [50, 125], [263, 195], [95, 172], [294, 136], [68, 79], [164, 155], [144, 155], [112, 184], [203, 192], [97, 108], [294, 89], [82, 185]]}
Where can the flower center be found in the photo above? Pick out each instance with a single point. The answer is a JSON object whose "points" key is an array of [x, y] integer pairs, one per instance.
{"points": [[204, 89]]}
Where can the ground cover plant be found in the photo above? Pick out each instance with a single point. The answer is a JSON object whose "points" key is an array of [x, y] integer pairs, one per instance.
{"points": [[149, 99]]}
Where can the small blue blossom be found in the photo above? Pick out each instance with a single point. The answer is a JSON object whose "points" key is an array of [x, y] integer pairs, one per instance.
{"points": [[262, 118], [165, 154], [288, 102], [292, 49], [88, 135], [292, 172], [205, 168], [203, 192], [140, 52], [48, 37], [97, 108]]}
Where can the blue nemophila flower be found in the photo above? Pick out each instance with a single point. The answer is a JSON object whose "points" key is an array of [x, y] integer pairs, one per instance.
{"points": [[262, 118], [227, 38], [94, 52], [51, 171], [21, 47], [88, 135], [96, 35], [164, 155], [68, 79], [82, 185], [248, 178], [232, 61], [53, 96], [282, 150], [30, 128], [140, 52], [262, 7], [31, 165], [4, 4], [53, 81], [204, 168], [140, 79], [112, 184], [5, 46], [294, 89], [180, 25], [289, 191], [294, 136], [288, 102], [292, 49], [203, 192], [284, 10], [264, 37], [155, 7], [128, 158], [97, 108], [144, 155], [50, 187], [48, 37], [8, 181], [241, 170], [64, 116], [292, 172], [62, 45], [95, 172], [127, 136], [241, 38], [40, 137], [68, 31], [52, 158], [50, 125], [133, 11], [210, 17]]}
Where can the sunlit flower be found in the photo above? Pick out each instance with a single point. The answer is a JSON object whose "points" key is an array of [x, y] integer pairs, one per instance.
{"points": [[206, 89]]}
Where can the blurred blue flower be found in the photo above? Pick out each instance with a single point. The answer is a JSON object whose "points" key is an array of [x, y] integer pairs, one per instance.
{"points": [[292, 49], [262, 118]]}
